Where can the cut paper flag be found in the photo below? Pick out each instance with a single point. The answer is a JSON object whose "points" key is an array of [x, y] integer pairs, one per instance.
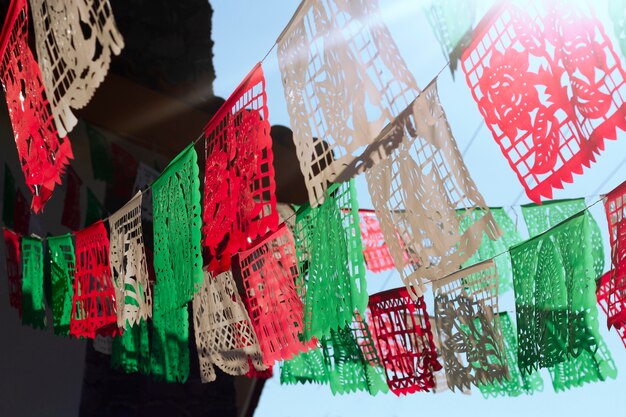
{"points": [[95, 209], [269, 271], [129, 268], [8, 198], [518, 383], [93, 302], [540, 218], [344, 80], [74, 41], [615, 208], [305, 368], [441, 382], [71, 205], [401, 331], [145, 177], [43, 155], [130, 352], [330, 260], [13, 249], [452, 22], [557, 319], [100, 152], [21, 215], [490, 248], [177, 263], [602, 296], [375, 250], [416, 191], [62, 268], [468, 327], [617, 12], [224, 333], [239, 190], [551, 90], [33, 306]]}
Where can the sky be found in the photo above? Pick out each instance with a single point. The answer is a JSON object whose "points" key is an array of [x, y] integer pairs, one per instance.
{"points": [[245, 30]]}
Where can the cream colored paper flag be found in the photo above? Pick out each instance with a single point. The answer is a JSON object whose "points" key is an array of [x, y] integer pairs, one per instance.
{"points": [[416, 191], [74, 39]]}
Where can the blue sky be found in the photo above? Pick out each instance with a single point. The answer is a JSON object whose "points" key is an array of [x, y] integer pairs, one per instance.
{"points": [[245, 30]]}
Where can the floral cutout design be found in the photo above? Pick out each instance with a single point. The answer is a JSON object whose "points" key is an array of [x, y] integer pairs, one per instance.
{"points": [[550, 90], [468, 326], [74, 41], [239, 190], [42, 153], [416, 191], [62, 269], [224, 333], [344, 80]]}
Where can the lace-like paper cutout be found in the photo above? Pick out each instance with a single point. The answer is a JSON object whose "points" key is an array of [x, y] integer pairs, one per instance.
{"points": [[330, 261], [13, 250], [224, 334], [617, 12], [255, 373], [416, 191], [130, 352], [239, 189], [74, 43], [33, 307], [375, 250], [550, 87], [269, 270], [402, 322], [305, 367], [43, 155], [441, 382], [452, 23], [540, 218], [93, 301], [602, 296], [62, 268], [71, 205], [468, 325], [177, 255], [145, 177], [555, 296], [128, 265], [518, 383], [615, 208], [344, 80], [490, 248]]}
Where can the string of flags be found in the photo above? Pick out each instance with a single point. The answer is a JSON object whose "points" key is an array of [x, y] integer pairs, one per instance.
{"points": [[262, 291]]}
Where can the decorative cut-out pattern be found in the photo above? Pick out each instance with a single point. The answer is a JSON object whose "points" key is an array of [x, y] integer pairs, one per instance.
{"points": [[468, 326], [306, 367], [42, 154], [62, 267], [416, 191], [554, 283], [74, 43], [93, 301], [269, 270], [375, 250], [177, 263], [344, 80], [224, 334], [130, 352], [402, 322], [71, 205], [540, 218], [330, 260], [239, 189], [13, 249], [617, 12], [490, 248], [33, 307], [128, 265], [518, 383], [177, 255], [550, 87], [452, 22], [615, 207], [602, 296]]}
